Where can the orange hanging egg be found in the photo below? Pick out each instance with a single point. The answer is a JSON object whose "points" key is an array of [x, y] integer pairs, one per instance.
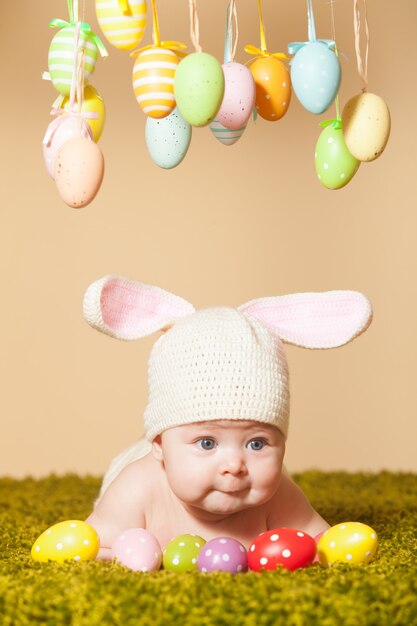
{"points": [[273, 87], [153, 81]]}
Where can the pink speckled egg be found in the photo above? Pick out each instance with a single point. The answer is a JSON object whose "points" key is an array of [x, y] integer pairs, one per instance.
{"points": [[224, 554], [137, 549], [79, 170], [239, 96]]}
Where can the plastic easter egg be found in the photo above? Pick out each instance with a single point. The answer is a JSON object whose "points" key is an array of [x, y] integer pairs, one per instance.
{"points": [[285, 547], [239, 96], [225, 135], [223, 554], [181, 553], [73, 540], [315, 76], [366, 126], [137, 549], [335, 165], [273, 87], [350, 542], [61, 57], [92, 103], [70, 127], [79, 170], [168, 139], [199, 88], [153, 81], [122, 23]]}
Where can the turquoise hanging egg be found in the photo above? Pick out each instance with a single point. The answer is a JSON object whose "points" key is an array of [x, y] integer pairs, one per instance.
{"points": [[315, 76]]}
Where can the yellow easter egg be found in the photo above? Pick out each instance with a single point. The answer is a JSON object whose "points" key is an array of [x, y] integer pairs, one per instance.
{"points": [[273, 87], [366, 126], [70, 540], [123, 22], [153, 81], [350, 542], [92, 103]]}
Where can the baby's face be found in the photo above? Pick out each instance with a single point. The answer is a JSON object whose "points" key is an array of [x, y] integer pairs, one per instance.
{"points": [[222, 467]]}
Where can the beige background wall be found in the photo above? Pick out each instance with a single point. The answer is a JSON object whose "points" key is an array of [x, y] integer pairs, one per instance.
{"points": [[228, 225]]}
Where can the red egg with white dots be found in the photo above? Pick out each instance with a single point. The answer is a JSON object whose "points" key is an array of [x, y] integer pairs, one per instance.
{"points": [[285, 547]]}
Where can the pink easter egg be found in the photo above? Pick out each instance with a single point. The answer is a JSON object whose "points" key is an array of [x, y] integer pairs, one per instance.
{"points": [[137, 549], [239, 96], [223, 554], [66, 127]]}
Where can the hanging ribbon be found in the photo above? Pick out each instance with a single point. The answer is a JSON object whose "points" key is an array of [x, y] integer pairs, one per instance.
{"points": [[176, 46], [124, 6], [262, 51], [194, 25], [362, 66], [229, 44], [295, 46]]}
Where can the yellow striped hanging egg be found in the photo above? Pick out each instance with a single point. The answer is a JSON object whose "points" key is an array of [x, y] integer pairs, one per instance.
{"points": [[123, 22], [153, 81]]}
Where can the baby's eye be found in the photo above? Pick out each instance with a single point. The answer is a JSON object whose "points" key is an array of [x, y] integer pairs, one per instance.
{"points": [[207, 443], [256, 444]]}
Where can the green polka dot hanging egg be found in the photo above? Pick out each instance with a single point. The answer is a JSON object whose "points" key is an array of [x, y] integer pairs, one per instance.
{"points": [[335, 165], [62, 57]]}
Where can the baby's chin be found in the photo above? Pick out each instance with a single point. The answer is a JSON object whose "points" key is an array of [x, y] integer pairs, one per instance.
{"points": [[220, 503]]}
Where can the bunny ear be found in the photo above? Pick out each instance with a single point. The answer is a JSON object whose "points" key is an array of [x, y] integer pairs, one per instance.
{"points": [[126, 309], [314, 320]]}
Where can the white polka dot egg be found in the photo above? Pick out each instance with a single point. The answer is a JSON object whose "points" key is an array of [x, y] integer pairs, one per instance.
{"points": [[70, 540], [281, 547], [350, 542], [137, 549]]}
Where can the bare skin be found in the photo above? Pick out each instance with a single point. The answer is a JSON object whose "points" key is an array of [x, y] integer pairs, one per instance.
{"points": [[210, 479]]}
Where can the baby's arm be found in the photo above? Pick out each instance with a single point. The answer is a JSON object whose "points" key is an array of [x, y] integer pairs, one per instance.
{"points": [[121, 507], [291, 508]]}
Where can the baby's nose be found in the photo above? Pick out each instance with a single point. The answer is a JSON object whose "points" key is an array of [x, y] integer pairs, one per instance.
{"points": [[234, 463]]}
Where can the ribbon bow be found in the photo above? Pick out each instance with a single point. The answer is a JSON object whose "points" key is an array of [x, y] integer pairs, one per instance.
{"points": [[176, 46], [261, 52], [295, 46], [86, 29], [335, 123]]}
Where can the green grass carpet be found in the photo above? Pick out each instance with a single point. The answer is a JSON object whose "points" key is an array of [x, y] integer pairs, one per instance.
{"points": [[101, 594]]}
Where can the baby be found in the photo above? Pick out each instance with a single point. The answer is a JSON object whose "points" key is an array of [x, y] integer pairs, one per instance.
{"points": [[216, 422]]}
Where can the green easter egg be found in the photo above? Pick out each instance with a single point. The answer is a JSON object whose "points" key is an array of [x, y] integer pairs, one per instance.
{"points": [[335, 165], [199, 88], [180, 555]]}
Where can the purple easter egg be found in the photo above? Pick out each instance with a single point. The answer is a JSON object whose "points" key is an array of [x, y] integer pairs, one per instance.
{"points": [[223, 554]]}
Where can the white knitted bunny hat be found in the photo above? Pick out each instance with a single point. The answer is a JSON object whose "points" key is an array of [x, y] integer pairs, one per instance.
{"points": [[221, 363]]}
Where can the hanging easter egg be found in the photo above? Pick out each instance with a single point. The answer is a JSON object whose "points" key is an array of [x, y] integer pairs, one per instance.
{"points": [[315, 76], [153, 81], [61, 57], [199, 88], [223, 554], [60, 130], [366, 126], [73, 540], [180, 554], [79, 170], [350, 542], [92, 104], [335, 165], [137, 549], [273, 87], [225, 135], [239, 96], [168, 139], [281, 547], [122, 23]]}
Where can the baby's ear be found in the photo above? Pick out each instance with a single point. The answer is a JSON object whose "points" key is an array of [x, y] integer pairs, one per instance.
{"points": [[313, 320], [157, 448], [127, 309]]}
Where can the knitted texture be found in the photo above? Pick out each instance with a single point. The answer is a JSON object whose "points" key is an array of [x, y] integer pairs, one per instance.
{"points": [[218, 363]]}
